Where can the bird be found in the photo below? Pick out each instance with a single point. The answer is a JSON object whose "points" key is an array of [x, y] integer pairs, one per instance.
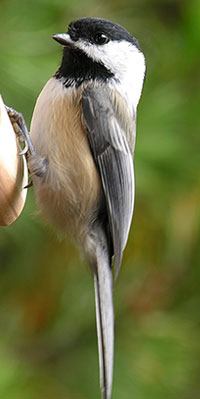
{"points": [[81, 156]]}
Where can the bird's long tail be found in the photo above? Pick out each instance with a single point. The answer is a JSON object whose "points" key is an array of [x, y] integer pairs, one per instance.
{"points": [[105, 320]]}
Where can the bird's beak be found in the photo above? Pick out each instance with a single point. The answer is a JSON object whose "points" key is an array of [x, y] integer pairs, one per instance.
{"points": [[63, 38]]}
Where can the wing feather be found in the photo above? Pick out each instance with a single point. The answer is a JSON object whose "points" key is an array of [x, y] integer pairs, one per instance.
{"points": [[114, 161]]}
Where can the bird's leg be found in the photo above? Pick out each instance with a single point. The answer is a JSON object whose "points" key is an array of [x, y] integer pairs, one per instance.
{"points": [[37, 164], [21, 131]]}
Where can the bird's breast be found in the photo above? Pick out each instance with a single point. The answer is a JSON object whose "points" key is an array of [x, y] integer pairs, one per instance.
{"points": [[69, 193]]}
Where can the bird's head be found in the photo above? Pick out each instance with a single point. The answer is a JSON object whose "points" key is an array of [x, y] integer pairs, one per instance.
{"points": [[110, 45]]}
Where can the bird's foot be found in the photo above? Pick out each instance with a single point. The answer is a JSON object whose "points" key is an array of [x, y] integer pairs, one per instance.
{"points": [[21, 131], [37, 165]]}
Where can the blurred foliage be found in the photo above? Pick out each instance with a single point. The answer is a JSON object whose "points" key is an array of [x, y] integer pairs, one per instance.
{"points": [[47, 321]]}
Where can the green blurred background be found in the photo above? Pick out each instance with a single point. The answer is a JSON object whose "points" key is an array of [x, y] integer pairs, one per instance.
{"points": [[48, 347]]}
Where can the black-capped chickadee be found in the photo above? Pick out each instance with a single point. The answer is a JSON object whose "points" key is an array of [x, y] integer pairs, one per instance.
{"points": [[83, 133]]}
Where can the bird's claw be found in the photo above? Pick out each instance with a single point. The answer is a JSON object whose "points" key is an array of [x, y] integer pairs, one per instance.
{"points": [[25, 149], [21, 131], [37, 165]]}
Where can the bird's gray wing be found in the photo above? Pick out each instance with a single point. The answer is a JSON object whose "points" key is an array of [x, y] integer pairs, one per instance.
{"points": [[114, 161]]}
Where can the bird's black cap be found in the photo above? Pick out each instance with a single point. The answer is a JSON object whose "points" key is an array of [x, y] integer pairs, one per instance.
{"points": [[88, 28]]}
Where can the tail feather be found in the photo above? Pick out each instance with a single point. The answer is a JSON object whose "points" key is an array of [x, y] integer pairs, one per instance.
{"points": [[105, 321]]}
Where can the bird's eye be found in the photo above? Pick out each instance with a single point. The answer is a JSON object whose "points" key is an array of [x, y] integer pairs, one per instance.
{"points": [[101, 38]]}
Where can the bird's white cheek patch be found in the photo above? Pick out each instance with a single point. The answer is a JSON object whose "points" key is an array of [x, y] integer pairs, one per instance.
{"points": [[127, 64]]}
